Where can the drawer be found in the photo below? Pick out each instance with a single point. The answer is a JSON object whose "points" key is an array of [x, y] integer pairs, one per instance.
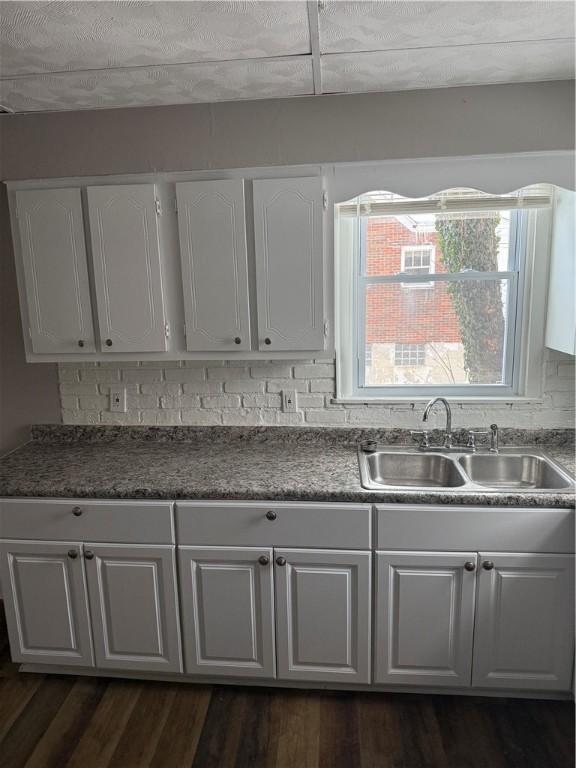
{"points": [[492, 529], [120, 522], [293, 524]]}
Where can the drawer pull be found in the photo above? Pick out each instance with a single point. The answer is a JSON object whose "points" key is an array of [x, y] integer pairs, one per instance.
{"points": [[470, 566], [280, 560], [487, 565], [77, 511], [271, 515], [263, 559], [72, 554], [89, 555]]}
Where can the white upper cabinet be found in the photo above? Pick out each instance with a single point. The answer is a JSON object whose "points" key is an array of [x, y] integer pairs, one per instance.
{"points": [[212, 230], [127, 268], [524, 635], [289, 263], [55, 270], [560, 324]]}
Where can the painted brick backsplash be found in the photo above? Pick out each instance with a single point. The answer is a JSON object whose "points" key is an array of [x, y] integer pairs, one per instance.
{"points": [[249, 393]]}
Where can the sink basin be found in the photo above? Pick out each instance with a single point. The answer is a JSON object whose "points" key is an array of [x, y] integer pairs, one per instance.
{"points": [[517, 471], [409, 470]]}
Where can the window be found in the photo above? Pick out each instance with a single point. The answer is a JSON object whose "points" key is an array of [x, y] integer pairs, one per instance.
{"points": [[464, 335], [417, 260], [409, 354]]}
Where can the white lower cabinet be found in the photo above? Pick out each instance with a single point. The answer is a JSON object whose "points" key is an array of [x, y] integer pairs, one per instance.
{"points": [[424, 618], [227, 598], [524, 634], [323, 615], [317, 628], [134, 607], [281, 608], [46, 603], [490, 620]]}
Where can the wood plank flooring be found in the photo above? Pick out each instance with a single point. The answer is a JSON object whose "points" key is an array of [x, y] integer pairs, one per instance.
{"points": [[79, 722]]}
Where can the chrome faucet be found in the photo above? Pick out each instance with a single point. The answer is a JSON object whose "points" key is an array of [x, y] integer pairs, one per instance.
{"points": [[448, 435], [494, 438]]}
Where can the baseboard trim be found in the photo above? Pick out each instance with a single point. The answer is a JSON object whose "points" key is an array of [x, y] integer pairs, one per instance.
{"points": [[47, 669]]}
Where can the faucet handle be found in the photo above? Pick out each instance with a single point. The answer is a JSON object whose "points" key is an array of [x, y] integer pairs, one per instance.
{"points": [[472, 435], [424, 434]]}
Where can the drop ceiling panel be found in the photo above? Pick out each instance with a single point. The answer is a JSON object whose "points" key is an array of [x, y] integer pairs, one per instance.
{"points": [[151, 86], [394, 24], [444, 67], [56, 36]]}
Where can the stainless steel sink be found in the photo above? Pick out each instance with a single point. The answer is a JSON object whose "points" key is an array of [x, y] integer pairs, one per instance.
{"points": [[519, 471], [513, 469], [411, 470]]}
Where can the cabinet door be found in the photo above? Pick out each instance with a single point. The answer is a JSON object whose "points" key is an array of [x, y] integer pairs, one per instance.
{"points": [[289, 263], [212, 228], [55, 270], [127, 269], [227, 599], [524, 636], [134, 607], [323, 615], [424, 618], [46, 603]]}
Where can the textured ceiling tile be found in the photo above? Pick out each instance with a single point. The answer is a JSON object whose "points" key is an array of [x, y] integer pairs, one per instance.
{"points": [[151, 86], [57, 36], [375, 26], [440, 67]]}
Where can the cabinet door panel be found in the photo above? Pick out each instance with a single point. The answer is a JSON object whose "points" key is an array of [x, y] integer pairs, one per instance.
{"points": [[227, 599], [46, 603], [127, 269], [212, 228], [289, 263], [55, 270], [134, 607], [524, 636], [424, 618], [323, 615]]}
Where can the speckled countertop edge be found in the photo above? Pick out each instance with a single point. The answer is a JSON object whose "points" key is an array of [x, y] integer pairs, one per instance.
{"points": [[272, 464]]}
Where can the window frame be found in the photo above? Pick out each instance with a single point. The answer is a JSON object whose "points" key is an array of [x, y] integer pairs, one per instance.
{"points": [[525, 323]]}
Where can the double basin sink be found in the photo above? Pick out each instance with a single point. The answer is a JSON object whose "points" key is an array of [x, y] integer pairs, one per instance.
{"points": [[511, 469]]}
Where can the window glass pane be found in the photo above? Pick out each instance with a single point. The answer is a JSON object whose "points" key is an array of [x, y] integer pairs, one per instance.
{"points": [[454, 333], [437, 242]]}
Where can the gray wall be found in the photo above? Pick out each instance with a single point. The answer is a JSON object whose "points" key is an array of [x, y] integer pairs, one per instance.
{"points": [[28, 393], [452, 121]]}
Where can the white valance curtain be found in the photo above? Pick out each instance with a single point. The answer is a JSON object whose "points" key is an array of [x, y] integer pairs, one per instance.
{"points": [[499, 175]]}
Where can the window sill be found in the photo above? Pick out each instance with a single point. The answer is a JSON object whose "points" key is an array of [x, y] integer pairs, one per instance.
{"points": [[425, 399]]}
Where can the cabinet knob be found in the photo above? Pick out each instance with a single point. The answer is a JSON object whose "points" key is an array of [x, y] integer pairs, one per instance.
{"points": [[263, 559], [76, 511], [267, 341], [80, 342], [487, 565], [271, 515], [237, 340], [470, 566], [89, 555], [72, 554], [280, 560], [108, 342]]}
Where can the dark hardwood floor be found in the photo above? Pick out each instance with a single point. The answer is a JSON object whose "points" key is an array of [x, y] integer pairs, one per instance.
{"points": [[79, 722]]}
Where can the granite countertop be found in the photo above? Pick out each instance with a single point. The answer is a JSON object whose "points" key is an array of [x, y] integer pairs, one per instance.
{"points": [[234, 463]]}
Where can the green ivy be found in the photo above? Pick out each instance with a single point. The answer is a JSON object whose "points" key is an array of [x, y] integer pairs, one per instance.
{"points": [[472, 244]]}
